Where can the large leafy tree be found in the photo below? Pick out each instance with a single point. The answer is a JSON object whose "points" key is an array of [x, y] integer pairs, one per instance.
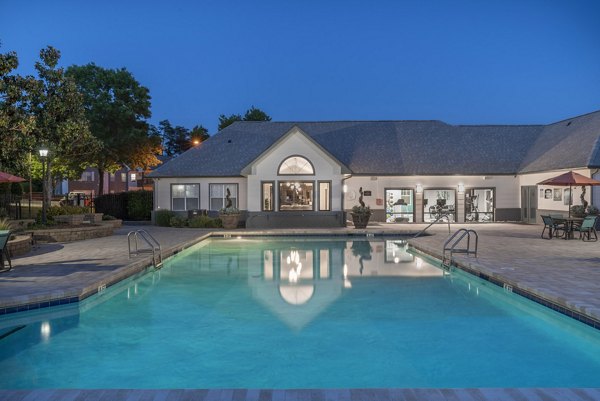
{"points": [[178, 139], [16, 123], [117, 107], [252, 114], [56, 109]]}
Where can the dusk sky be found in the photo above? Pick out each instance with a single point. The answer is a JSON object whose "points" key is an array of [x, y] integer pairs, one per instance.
{"points": [[463, 62]]}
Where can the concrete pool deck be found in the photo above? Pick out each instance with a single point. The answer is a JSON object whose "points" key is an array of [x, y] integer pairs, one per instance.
{"points": [[565, 271]]}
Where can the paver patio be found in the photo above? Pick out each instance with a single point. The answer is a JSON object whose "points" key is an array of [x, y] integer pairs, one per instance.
{"points": [[558, 269]]}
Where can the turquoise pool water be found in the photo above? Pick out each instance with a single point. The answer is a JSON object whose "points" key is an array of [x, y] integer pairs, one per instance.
{"points": [[298, 313]]}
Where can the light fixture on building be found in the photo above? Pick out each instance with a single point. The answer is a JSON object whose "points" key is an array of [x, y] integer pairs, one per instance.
{"points": [[419, 188], [345, 188], [461, 188]]}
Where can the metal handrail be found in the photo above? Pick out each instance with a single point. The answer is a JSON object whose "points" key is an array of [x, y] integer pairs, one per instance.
{"points": [[154, 245], [446, 215], [452, 248]]}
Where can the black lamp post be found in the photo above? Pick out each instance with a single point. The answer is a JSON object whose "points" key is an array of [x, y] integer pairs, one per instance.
{"points": [[44, 156]]}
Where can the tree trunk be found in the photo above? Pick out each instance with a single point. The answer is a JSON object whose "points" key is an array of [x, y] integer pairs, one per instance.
{"points": [[48, 179], [100, 181]]}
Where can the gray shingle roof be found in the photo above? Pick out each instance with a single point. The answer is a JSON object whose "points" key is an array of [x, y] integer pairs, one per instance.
{"points": [[570, 143], [404, 147]]}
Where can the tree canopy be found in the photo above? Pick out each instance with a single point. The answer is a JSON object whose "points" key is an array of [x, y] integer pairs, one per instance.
{"points": [[178, 139], [252, 114], [117, 107]]}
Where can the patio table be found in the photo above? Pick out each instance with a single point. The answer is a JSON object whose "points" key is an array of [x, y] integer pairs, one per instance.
{"points": [[569, 223]]}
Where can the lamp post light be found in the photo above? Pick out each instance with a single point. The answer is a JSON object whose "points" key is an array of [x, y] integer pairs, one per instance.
{"points": [[43, 155]]}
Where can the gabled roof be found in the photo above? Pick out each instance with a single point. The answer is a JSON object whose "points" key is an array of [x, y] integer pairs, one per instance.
{"points": [[404, 147]]}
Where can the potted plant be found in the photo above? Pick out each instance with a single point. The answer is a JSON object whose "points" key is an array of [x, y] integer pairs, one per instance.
{"points": [[361, 213], [230, 216], [578, 211]]}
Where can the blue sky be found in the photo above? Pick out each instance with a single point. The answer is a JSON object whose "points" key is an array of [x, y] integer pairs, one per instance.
{"points": [[463, 62]]}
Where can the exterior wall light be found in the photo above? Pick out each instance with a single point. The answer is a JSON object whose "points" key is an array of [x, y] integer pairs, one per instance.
{"points": [[419, 188], [345, 188], [461, 188]]}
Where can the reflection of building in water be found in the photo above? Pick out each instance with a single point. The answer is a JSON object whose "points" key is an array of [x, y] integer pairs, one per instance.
{"points": [[297, 284], [299, 281]]}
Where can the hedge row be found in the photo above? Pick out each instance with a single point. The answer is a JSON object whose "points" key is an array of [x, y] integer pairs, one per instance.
{"points": [[133, 205]]}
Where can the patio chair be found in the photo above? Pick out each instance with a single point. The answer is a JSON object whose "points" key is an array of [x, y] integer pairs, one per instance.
{"points": [[4, 236], [587, 227], [553, 227]]}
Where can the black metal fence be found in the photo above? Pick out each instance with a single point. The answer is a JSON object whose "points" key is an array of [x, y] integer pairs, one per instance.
{"points": [[134, 205]]}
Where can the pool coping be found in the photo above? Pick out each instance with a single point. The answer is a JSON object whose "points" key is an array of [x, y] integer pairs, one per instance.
{"points": [[376, 394], [470, 266]]}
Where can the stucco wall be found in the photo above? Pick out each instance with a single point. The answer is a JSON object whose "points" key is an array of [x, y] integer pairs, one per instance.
{"points": [[162, 190], [506, 190], [550, 204], [265, 169]]}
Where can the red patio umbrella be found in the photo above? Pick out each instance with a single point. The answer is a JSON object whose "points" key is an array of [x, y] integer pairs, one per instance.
{"points": [[570, 179], [5, 177]]}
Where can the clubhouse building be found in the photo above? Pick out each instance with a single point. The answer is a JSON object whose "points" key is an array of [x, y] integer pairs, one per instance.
{"points": [[307, 174]]}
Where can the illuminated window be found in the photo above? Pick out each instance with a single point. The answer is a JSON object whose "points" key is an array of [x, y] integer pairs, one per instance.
{"points": [[294, 196], [296, 165], [267, 196], [185, 196]]}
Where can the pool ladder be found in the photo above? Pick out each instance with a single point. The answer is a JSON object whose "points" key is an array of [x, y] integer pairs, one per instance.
{"points": [[151, 246], [451, 245]]}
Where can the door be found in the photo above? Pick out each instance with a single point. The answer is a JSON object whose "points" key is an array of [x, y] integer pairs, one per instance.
{"points": [[529, 204]]}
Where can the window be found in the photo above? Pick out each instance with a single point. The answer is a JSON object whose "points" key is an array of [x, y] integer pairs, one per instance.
{"points": [[133, 177], [437, 202], [87, 176], [296, 195], [296, 165], [324, 195], [123, 177], [218, 194], [185, 196], [112, 177], [267, 197]]}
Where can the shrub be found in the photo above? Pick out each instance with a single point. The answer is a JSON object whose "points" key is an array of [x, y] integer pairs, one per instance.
{"points": [[365, 210], [139, 205], [577, 211], [62, 210], [204, 222], [4, 224], [229, 210], [593, 210], [163, 217], [107, 217], [178, 222]]}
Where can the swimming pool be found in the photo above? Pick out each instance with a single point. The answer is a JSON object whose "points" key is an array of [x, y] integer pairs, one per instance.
{"points": [[298, 313]]}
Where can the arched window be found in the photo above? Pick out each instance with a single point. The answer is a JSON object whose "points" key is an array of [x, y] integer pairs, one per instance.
{"points": [[296, 165]]}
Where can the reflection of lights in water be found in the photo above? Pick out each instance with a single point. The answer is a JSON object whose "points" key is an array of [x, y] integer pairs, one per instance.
{"points": [[347, 283], [396, 260], [239, 237], [469, 286], [45, 330], [294, 259], [135, 289], [419, 262], [128, 293], [296, 294], [477, 290]]}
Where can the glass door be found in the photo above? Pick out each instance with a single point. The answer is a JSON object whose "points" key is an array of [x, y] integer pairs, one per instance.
{"points": [[479, 205], [399, 206]]}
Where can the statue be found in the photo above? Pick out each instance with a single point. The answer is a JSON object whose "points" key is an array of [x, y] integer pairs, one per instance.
{"points": [[360, 198], [583, 201], [228, 203]]}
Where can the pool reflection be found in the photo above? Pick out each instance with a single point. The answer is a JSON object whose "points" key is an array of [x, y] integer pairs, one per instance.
{"points": [[298, 281]]}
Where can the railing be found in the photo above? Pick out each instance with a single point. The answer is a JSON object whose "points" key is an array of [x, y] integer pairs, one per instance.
{"points": [[451, 245], [446, 215], [153, 246]]}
